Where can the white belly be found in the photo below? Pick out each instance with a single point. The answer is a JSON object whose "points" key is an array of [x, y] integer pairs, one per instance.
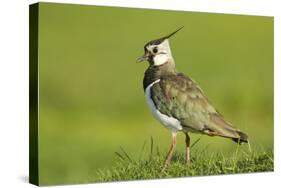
{"points": [[169, 122]]}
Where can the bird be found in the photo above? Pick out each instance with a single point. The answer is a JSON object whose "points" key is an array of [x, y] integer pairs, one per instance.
{"points": [[178, 102]]}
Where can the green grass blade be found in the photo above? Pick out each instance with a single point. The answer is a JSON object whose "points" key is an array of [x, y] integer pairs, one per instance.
{"points": [[151, 148], [194, 143], [120, 156], [142, 149], [126, 154]]}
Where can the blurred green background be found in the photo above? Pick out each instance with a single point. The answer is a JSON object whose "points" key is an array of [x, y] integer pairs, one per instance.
{"points": [[91, 96]]}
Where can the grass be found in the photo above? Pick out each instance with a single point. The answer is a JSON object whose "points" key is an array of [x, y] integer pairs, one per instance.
{"points": [[203, 163]]}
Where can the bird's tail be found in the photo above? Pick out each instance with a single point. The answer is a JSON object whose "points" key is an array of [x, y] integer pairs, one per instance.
{"points": [[218, 126], [242, 137]]}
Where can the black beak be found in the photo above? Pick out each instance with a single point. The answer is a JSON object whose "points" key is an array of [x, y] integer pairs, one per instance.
{"points": [[142, 58]]}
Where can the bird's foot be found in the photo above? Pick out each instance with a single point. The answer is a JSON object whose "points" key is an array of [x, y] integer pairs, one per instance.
{"points": [[166, 164], [163, 169]]}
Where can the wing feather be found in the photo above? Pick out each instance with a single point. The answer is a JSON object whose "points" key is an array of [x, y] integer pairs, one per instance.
{"points": [[180, 97]]}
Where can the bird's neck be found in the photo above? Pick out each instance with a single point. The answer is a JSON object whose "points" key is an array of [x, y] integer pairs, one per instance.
{"points": [[154, 73]]}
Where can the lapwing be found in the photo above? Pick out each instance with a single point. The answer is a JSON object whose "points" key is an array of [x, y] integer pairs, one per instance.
{"points": [[178, 102]]}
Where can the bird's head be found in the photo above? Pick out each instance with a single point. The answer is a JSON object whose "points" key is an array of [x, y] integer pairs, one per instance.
{"points": [[158, 52]]}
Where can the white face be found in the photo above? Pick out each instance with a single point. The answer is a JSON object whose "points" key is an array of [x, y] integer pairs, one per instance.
{"points": [[161, 53]]}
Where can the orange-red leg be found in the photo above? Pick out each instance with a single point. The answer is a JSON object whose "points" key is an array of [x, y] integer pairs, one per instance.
{"points": [[187, 142], [171, 150]]}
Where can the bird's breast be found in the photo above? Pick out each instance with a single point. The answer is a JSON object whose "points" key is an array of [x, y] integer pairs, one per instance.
{"points": [[171, 123]]}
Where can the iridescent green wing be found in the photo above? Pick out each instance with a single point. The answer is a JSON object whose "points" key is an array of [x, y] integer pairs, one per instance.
{"points": [[180, 97]]}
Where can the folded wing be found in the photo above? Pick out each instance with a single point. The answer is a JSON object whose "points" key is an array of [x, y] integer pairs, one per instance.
{"points": [[180, 97]]}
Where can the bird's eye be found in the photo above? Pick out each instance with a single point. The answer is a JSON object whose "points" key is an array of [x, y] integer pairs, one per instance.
{"points": [[155, 50]]}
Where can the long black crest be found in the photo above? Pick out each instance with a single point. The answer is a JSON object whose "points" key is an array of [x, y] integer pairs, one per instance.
{"points": [[168, 36], [159, 41]]}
